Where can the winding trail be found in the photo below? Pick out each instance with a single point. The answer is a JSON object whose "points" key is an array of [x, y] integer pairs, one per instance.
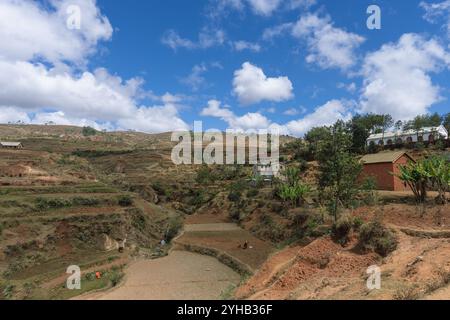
{"points": [[181, 275]]}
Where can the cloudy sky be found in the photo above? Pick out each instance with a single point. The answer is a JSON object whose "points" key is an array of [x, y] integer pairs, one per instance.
{"points": [[156, 66]]}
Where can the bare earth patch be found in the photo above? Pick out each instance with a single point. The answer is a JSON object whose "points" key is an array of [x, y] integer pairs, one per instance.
{"points": [[181, 275]]}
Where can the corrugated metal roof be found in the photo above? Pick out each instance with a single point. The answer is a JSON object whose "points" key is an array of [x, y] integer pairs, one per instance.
{"points": [[383, 157], [10, 144]]}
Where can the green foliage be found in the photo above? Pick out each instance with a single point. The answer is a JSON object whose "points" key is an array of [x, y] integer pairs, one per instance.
{"points": [[368, 191], [88, 131], [339, 169], [374, 236], [341, 229], [315, 137], [292, 190], [294, 194], [425, 120], [46, 204], [8, 291], [236, 189], [431, 172], [446, 121], [235, 195], [438, 172], [173, 228], [416, 177], [361, 126], [43, 204], [99, 153], [252, 193], [115, 277], [204, 175], [125, 201]]}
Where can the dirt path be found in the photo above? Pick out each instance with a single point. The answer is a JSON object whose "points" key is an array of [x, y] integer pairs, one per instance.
{"points": [[181, 275]]}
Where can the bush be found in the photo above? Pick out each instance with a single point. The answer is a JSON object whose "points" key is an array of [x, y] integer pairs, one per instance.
{"points": [[357, 223], [88, 131], [88, 202], [374, 236], [125, 201], [204, 175], [45, 204], [116, 277], [174, 226], [252, 193], [234, 196], [341, 229]]}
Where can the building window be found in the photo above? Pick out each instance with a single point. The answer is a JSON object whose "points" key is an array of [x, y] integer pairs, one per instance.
{"points": [[399, 141], [389, 142], [380, 142], [409, 140]]}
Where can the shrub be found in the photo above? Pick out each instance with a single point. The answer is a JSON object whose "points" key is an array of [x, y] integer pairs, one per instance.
{"points": [[234, 196], [368, 187], [45, 204], [204, 175], [235, 215], [88, 131], [125, 201], [374, 236], [357, 223], [8, 291], [116, 277], [341, 229], [173, 227], [252, 193], [89, 202]]}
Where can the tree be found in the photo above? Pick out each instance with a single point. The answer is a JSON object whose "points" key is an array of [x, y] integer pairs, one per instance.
{"points": [[339, 169], [431, 172], [386, 122], [314, 137], [88, 131], [438, 172], [446, 121], [362, 126], [416, 177], [422, 121]]}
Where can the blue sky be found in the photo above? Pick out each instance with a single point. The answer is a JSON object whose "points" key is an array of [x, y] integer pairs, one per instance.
{"points": [[186, 62]]}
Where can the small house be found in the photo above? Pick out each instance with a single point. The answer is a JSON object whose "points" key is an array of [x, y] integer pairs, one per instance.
{"points": [[266, 171], [384, 167], [11, 145]]}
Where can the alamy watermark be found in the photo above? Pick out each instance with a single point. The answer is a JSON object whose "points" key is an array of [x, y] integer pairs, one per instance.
{"points": [[73, 21], [74, 280], [374, 279], [374, 20], [230, 147]]}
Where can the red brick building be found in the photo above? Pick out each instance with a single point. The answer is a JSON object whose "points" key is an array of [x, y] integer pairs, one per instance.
{"points": [[382, 165]]}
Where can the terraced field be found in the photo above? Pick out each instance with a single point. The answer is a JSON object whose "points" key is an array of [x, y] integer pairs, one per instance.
{"points": [[58, 207]]}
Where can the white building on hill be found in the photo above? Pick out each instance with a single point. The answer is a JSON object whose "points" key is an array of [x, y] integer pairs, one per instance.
{"points": [[429, 134], [12, 145]]}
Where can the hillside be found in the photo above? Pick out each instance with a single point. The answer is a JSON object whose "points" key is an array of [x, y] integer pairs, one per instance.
{"points": [[72, 198]]}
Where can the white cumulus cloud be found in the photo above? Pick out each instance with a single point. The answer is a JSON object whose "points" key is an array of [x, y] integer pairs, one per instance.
{"points": [[44, 78], [251, 120], [326, 114], [251, 86], [397, 77], [29, 31], [328, 46]]}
